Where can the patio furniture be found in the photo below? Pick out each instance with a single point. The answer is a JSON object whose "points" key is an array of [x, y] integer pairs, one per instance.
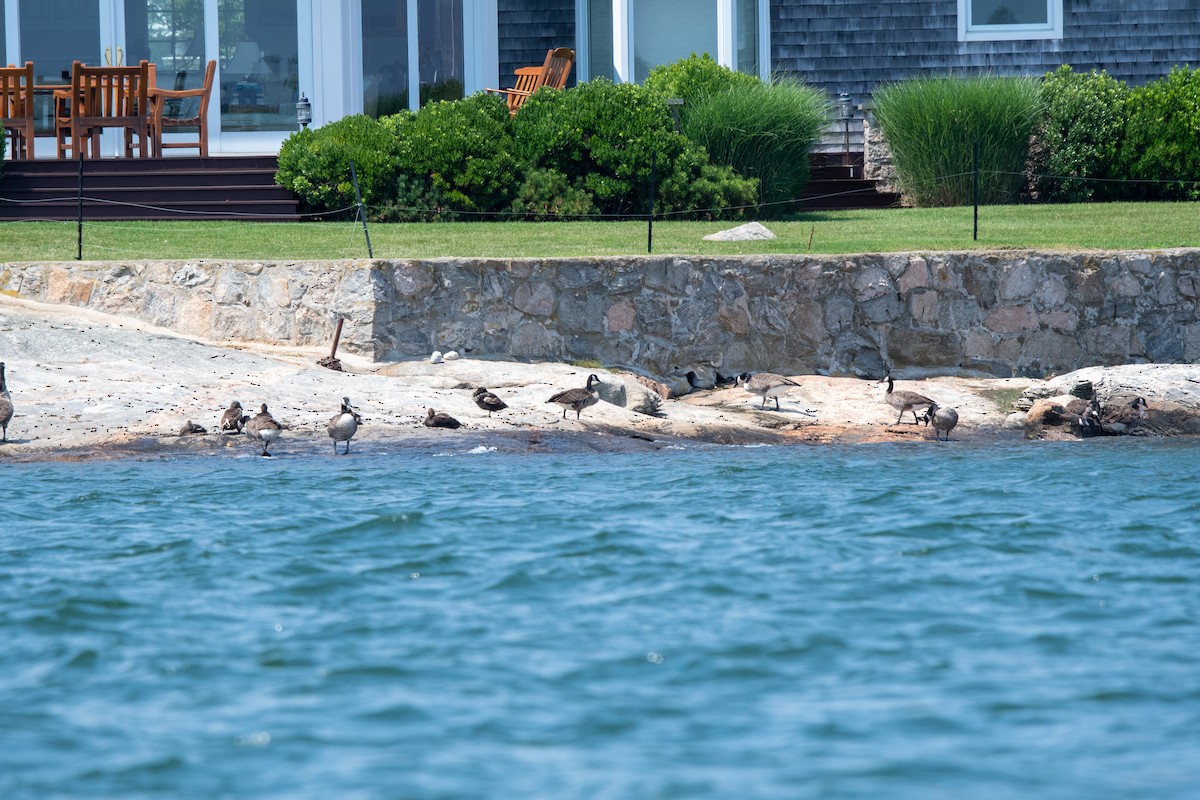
{"points": [[16, 108], [178, 108], [99, 98], [553, 73]]}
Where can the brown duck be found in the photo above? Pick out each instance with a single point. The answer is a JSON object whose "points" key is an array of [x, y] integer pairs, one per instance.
{"points": [[438, 419], [488, 401]]}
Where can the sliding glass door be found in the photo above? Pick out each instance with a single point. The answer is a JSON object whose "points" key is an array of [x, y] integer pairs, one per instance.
{"points": [[412, 52], [255, 43]]}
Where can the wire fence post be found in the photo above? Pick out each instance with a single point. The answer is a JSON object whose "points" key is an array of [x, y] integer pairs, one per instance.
{"points": [[975, 187], [362, 212], [79, 215], [650, 213]]}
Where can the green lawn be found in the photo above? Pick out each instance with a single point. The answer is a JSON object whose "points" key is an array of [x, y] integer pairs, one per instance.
{"points": [[1115, 226]]}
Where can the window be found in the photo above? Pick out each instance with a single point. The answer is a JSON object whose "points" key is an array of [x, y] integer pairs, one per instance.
{"points": [[669, 30], [625, 39], [400, 40], [996, 20], [259, 64]]}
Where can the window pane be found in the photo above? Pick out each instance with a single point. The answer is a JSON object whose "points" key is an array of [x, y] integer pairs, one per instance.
{"points": [[747, 36], [169, 34], [385, 57], [1009, 12], [55, 33], [259, 64], [440, 46], [600, 39], [668, 30]]}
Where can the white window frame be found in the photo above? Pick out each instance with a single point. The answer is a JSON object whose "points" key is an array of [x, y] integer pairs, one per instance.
{"points": [[970, 32], [622, 34]]}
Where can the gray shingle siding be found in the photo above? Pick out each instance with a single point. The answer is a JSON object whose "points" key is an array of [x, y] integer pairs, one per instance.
{"points": [[528, 28], [854, 46]]}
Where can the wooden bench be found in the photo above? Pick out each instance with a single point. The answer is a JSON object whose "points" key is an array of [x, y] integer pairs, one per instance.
{"points": [[552, 73]]}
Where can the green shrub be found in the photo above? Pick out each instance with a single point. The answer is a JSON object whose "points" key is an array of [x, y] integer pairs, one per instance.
{"points": [[602, 136], [696, 77], [931, 125], [547, 194], [1162, 138], [315, 164], [414, 200], [462, 151], [762, 130], [1079, 139]]}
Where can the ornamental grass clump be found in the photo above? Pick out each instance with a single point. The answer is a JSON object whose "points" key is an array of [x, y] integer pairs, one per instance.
{"points": [[932, 125], [764, 131]]}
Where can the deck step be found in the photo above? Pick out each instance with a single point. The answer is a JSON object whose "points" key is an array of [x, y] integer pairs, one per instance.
{"points": [[213, 188]]}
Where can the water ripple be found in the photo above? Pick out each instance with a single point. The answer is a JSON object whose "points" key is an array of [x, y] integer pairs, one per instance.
{"points": [[836, 622]]}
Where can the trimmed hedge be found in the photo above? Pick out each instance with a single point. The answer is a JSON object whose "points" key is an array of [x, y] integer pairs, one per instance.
{"points": [[603, 136], [1161, 147], [695, 77], [315, 164], [1078, 143], [460, 152]]}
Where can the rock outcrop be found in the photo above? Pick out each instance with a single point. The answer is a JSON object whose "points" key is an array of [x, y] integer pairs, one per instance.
{"points": [[1058, 407]]}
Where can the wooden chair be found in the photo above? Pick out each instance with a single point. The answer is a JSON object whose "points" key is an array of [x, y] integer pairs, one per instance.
{"points": [[99, 98], [167, 112], [553, 73], [16, 108]]}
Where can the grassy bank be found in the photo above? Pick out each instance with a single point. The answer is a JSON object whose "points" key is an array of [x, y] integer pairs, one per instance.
{"points": [[1115, 226]]}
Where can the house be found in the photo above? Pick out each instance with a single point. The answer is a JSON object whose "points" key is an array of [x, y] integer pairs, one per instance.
{"points": [[379, 56]]}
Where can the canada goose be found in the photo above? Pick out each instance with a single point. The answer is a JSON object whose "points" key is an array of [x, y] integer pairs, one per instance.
{"points": [[943, 419], [438, 419], [191, 427], [263, 427], [1088, 419], [905, 401], [233, 420], [1123, 419], [343, 425], [488, 401], [6, 406], [578, 399], [765, 384]]}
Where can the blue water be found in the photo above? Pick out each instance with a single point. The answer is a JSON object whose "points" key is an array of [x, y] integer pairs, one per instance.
{"points": [[893, 621]]}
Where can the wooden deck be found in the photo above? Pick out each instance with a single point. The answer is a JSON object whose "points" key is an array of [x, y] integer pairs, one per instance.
{"points": [[214, 188], [243, 188], [837, 187]]}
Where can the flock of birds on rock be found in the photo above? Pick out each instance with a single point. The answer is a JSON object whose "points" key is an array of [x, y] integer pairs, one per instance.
{"points": [[265, 429], [1091, 420]]}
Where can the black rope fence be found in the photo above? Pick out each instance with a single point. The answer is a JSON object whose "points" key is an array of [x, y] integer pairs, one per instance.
{"points": [[361, 211]]}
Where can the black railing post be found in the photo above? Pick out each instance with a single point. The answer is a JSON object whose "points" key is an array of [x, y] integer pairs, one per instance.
{"points": [[362, 212], [650, 213], [975, 187], [79, 214]]}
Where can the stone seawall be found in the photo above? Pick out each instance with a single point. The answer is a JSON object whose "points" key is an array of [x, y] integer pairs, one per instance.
{"points": [[1000, 314]]}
